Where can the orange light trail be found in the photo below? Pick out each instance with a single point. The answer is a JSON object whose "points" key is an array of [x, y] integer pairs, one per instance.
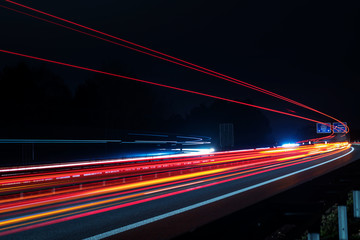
{"points": [[55, 178], [43, 210]]}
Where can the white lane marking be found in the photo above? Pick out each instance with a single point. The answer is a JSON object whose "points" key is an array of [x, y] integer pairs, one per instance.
{"points": [[181, 210]]}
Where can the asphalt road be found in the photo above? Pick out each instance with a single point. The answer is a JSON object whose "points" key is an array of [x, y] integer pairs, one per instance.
{"points": [[168, 203]]}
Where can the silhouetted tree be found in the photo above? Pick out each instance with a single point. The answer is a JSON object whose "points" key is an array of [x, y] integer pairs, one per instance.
{"points": [[36, 103], [31, 97]]}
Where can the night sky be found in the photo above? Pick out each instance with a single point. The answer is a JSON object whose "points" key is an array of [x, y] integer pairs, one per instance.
{"points": [[304, 50]]}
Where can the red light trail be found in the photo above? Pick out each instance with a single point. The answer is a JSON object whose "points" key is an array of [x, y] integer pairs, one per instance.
{"points": [[168, 57], [133, 167], [37, 196], [39, 209], [160, 85]]}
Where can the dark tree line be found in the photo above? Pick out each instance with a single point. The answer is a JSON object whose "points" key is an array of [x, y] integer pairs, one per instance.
{"points": [[35, 103]]}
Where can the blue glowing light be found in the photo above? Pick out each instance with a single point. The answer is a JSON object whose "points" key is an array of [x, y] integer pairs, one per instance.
{"points": [[286, 145]]}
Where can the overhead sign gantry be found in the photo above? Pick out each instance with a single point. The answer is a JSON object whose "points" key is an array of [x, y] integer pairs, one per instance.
{"points": [[339, 127], [323, 127]]}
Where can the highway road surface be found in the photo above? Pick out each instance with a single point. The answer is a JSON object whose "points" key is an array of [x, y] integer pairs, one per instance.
{"points": [[152, 198]]}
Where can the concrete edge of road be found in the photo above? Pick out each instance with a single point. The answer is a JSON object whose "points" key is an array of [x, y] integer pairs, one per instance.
{"points": [[154, 219]]}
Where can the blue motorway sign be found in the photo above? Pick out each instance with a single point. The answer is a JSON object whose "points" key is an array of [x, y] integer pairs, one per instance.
{"points": [[338, 127], [323, 128]]}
